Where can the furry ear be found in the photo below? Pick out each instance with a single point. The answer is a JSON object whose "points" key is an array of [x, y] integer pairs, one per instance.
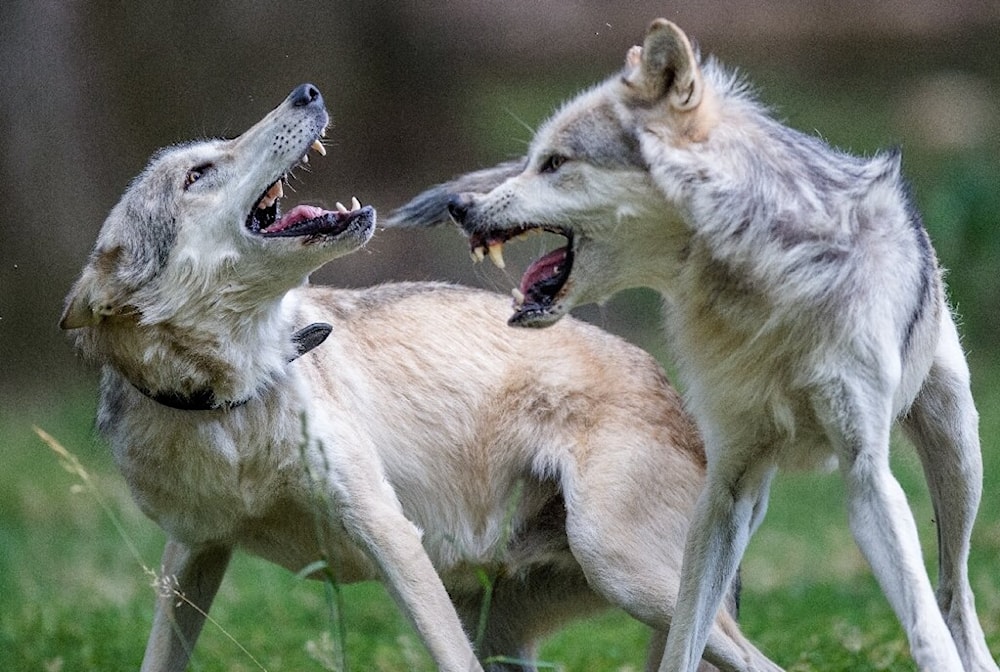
{"points": [[93, 297], [666, 66]]}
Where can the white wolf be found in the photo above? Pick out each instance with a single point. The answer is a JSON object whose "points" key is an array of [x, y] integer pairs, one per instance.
{"points": [[804, 304], [397, 433]]}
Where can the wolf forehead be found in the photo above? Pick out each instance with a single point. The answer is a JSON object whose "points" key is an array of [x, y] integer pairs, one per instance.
{"points": [[591, 129], [133, 224], [168, 172]]}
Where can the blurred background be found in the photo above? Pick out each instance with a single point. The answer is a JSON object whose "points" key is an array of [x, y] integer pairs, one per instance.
{"points": [[420, 92]]}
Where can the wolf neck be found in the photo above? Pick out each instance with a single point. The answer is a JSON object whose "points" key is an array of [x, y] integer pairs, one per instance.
{"points": [[220, 362]]}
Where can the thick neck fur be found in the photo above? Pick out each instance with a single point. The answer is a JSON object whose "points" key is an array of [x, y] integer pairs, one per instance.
{"points": [[786, 239], [235, 353], [753, 184]]}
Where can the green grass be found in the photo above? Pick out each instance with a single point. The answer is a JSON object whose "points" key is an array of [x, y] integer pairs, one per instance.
{"points": [[75, 589]]}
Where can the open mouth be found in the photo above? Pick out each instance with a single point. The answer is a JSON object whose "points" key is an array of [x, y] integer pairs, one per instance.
{"points": [[545, 279], [312, 222]]}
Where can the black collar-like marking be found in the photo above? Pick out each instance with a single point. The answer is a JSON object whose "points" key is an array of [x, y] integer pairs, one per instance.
{"points": [[305, 339]]}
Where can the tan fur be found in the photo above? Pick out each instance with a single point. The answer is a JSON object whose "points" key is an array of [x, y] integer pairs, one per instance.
{"points": [[421, 444]]}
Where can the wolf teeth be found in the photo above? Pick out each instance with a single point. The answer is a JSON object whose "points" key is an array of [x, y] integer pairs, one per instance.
{"points": [[518, 296], [355, 205], [273, 194], [318, 147], [495, 251]]}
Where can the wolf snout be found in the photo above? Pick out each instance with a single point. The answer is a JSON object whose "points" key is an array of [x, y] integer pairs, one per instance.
{"points": [[304, 95], [458, 207]]}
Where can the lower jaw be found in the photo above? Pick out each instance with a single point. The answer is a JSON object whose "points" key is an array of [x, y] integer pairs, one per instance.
{"points": [[534, 316]]}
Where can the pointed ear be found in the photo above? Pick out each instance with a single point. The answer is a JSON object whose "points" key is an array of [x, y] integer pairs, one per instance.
{"points": [[93, 296], [665, 66]]}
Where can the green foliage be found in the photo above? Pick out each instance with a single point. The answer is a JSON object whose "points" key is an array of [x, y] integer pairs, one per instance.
{"points": [[75, 596], [962, 210]]}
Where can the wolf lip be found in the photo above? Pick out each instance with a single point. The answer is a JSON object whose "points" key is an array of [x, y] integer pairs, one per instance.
{"points": [[265, 218], [544, 279]]}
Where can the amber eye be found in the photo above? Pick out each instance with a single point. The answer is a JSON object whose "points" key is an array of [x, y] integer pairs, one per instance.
{"points": [[553, 163], [196, 174]]}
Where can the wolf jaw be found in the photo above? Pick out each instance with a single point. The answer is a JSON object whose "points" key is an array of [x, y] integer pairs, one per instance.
{"points": [[543, 282], [265, 218], [226, 192]]}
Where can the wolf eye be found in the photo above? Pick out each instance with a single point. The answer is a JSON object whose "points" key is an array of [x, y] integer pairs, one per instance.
{"points": [[553, 163], [196, 174]]}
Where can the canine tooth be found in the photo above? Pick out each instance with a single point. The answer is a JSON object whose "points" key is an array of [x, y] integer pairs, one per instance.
{"points": [[305, 158], [518, 296], [340, 208], [274, 193], [318, 147], [496, 255], [478, 253], [355, 203]]}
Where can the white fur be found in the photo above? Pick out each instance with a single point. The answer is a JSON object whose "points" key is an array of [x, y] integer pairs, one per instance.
{"points": [[804, 306]]}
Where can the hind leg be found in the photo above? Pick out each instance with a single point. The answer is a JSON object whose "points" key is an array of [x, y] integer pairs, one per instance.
{"points": [[857, 417], [627, 520], [943, 426]]}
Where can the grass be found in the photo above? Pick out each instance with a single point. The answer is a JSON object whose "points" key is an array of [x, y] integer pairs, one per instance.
{"points": [[75, 587]]}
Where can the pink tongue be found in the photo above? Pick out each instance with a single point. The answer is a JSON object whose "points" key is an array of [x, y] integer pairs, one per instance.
{"points": [[299, 213], [543, 268]]}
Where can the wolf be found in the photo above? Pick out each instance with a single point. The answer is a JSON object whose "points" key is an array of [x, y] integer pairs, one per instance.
{"points": [[803, 302], [395, 433]]}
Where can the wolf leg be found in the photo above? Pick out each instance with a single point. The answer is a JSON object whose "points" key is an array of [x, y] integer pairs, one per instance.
{"points": [[728, 510], [188, 582], [374, 519], [943, 426], [857, 419]]}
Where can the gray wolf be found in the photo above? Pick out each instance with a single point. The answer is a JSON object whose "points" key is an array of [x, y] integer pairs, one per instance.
{"points": [[395, 433], [803, 302]]}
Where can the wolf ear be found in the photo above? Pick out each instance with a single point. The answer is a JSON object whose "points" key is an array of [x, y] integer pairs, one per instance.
{"points": [[92, 297], [665, 66]]}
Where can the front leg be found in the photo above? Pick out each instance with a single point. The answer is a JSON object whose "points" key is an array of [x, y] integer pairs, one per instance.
{"points": [[372, 515], [393, 543], [857, 416], [729, 509], [187, 584]]}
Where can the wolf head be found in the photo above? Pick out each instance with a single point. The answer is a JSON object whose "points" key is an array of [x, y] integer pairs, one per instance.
{"points": [[201, 226], [587, 178]]}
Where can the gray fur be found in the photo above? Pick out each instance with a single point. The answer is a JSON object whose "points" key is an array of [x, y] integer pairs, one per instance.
{"points": [[804, 305]]}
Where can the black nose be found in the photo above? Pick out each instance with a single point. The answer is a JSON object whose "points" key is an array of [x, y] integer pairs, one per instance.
{"points": [[305, 94], [458, 206]]}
